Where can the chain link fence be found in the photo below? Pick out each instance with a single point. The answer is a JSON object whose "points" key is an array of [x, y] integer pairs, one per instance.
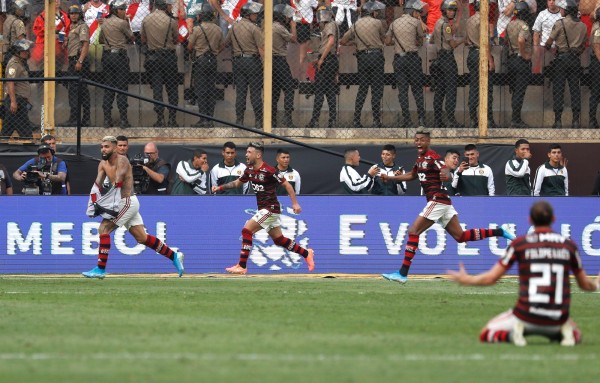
{"points": [[376, 82]]}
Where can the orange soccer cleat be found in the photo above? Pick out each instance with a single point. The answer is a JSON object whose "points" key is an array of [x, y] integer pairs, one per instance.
{"points": [[310, 260], [237, 269]]}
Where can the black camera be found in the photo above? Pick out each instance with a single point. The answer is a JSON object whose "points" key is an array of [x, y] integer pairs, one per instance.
{"points": [[33, 183], [141, 179]]}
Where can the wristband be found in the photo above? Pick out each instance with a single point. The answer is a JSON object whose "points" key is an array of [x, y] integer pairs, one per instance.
{"points": [[118, 184], [220, 188]]}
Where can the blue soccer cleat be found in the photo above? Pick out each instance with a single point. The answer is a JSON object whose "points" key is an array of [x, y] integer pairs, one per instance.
{"points": [[178, 262], [395, 277], [506, 234], [96, 272]]}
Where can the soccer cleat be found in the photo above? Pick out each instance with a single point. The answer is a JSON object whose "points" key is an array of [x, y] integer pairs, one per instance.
{"points": [[178, 262], [237, 269], [517, 334], [568, 338], [506, 234], [96, 272], [310, 260], [395, 277]]}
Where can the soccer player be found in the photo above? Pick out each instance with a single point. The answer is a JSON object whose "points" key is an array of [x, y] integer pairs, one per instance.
{"points": [[431, 173], [120, 207], [264, 180], [545, 260]]}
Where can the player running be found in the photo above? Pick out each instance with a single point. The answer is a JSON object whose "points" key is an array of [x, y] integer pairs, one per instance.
{"points": [[432, 172], [120, 207], [264, 180]]}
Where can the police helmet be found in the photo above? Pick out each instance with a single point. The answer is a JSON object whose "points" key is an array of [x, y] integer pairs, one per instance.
{"points": [[282, 12], [251, 8], [324, 14], [570, 6], [118, 4], [204, 10], [449, 5], [45, 147], [413, 5], [75, 9], [521, 10], [22, 45], [597, 14], [373, 8], [477, 5], [20, 8]]}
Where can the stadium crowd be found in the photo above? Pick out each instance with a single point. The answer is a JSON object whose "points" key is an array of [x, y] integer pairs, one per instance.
{"points": [[87, 31]]}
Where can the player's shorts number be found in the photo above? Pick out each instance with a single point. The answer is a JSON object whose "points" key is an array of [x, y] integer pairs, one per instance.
{"points": [[544, 281]]}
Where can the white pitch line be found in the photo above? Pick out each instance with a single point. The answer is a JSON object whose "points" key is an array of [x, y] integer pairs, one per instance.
{"points": [[570, 357]]}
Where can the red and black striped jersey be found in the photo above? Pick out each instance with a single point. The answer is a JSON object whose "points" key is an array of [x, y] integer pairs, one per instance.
{"points": [[264, 181], [545, 260], [428, 167]]}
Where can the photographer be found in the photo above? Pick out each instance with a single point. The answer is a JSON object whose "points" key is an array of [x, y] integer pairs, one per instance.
{"points": [[157, 170], [191, 177], [5, 182], [45, 174]]}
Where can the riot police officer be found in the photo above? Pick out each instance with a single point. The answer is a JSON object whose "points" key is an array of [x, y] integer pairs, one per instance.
{"points": [[14, 27], [247, 41], [595, 70], [160, 34], [115, 34], [519, 41], [205, 41], [17, 93], [326, 68], [447, 81], [472, 41], [368, 35], [406, 34], [78, 43], [570, 35], [282, 75]]}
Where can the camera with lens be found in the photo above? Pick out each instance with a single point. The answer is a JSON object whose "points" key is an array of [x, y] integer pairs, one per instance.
{"points": [[33, 183], [141, 179]]}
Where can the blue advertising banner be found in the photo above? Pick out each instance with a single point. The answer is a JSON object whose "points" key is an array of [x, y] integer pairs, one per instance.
{"points": [[350, 234]]}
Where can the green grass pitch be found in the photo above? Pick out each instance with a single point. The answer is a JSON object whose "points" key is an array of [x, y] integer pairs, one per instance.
{"points": [[276, 329]]}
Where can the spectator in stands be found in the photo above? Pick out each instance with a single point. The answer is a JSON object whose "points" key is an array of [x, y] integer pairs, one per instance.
{"points": [[247, 41], [345, 13], [50, 140], [229, 12], [51, 170], [13, 28], [161, 60], [406, 34], [303, 17], [62, 23], [434, 12], [282, 74], [472, 177], [351, 181], [116, 35], [446, 41], [516, 171], [519, 41], [157, 169], [94, 12], [368, 35], [472, 41], [326, 68], [544, 22], [78, 44], [595, 70], [388, 167], [451, 159], [291, 175], [6, 187], [569, 47], [228, 170], [191, 176], [205, 41], [552, 178], [17, 93]]}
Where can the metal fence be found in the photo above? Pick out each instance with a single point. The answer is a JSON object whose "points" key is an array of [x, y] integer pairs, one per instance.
{"points": [[229, 86]]}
